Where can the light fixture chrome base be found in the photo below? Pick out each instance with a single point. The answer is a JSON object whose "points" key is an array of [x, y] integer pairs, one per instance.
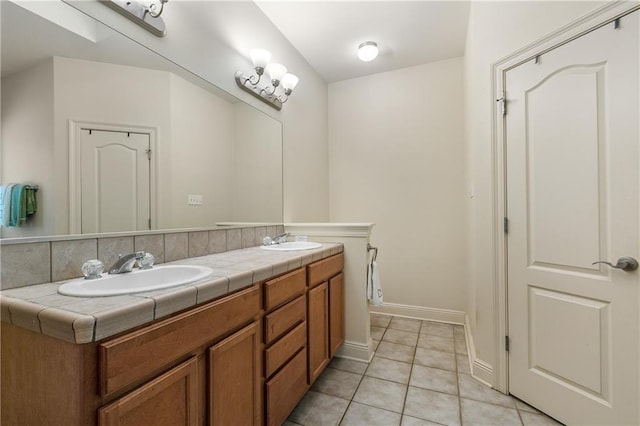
{"points": [[139, 14], [243, 82]]}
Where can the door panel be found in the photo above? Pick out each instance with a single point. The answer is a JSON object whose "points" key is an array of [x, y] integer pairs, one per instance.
{"points": [[565, 231], [572, 198], [574, 352], [115, 181]]}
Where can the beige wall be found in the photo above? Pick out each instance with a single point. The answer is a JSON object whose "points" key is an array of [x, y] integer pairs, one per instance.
{"points": [[397, 158], [26, 134], [201, 151], [496, 29], [215, 45], [256, 166]]}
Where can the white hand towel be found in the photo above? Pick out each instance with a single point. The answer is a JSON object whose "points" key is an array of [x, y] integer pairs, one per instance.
{"points": [[374, 291]]}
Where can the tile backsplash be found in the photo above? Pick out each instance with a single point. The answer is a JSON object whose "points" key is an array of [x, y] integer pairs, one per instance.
{"points": [[28, 263]]}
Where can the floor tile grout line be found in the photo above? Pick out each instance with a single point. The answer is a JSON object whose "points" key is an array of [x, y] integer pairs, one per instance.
{"points": [[458, 388], [406, 394]]}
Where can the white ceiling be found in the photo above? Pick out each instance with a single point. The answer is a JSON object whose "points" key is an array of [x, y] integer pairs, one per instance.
{"points": [[327, 33]]}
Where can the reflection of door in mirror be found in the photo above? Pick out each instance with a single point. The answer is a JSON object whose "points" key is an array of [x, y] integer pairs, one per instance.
{"points": [[115, 181]]}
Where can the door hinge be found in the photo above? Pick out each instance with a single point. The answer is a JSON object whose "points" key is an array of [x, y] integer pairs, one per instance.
{"points": [[506, 343], [506, 225], [149, 223], [148, 151], [503, 103]]}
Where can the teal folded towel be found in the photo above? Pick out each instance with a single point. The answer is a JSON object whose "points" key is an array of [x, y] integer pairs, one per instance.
{"points": [[18, 206], [6, 204], [30, 196], [17, 203]]}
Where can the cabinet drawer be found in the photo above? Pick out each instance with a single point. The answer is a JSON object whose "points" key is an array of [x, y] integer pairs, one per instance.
{"points": [[284, 288], [284, 319], [138, 355], [284, 348], [286, 388], [324, 269]]}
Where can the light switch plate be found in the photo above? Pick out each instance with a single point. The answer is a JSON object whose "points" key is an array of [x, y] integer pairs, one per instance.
{"points": [[194, 200]]}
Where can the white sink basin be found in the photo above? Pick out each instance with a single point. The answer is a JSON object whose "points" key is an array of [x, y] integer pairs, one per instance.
{"points": [[136, 281], [293, 246]]}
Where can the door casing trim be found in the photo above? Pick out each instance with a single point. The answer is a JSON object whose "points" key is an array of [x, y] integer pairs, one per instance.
{"points": [[75, 212], [587, 23]]}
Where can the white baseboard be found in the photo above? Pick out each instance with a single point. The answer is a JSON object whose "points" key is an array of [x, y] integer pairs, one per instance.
{"points": [[420, 312], [482, 372], [356, 351], [480, 369]]}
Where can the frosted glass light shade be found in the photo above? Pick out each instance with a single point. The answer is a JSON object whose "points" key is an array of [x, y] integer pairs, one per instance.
{"points": [[368, 51], [289, 81], [276, 71], [260, 57]]}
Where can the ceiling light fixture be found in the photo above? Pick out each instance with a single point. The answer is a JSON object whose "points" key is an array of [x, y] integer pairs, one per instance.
{"points": [[368, 51], [277, 74]]}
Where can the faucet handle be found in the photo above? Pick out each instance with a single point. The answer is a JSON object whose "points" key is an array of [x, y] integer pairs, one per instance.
{"points": [[92, 269], [147, 261]]}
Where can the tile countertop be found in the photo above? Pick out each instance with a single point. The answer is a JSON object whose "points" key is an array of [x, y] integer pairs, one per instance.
{"points": [[40, 308]]}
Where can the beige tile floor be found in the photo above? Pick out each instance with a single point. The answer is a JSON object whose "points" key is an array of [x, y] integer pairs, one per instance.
{"points": [[419, 376]]}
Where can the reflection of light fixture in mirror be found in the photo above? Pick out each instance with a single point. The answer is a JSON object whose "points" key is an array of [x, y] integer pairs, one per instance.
{"points": [[368, 51], [144, 13], [277, 74]]}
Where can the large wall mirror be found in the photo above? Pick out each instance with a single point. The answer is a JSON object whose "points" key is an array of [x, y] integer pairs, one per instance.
{"points": [[117, 138]]}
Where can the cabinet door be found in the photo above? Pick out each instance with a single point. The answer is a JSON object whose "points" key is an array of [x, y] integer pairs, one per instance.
{"points": [[171, 399], [234, 379], [336, 313], [318, 320]]}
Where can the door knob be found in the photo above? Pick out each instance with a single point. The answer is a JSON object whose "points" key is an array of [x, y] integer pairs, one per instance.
{"points": [[625, 263]]}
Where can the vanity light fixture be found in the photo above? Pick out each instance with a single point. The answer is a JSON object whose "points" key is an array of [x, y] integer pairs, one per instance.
{"points": [[143, 12], [368, 51], [277, 74]]}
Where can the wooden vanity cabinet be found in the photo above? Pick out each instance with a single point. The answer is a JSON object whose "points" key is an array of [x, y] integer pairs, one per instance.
{"points": [[325, 301], [247, 358]]}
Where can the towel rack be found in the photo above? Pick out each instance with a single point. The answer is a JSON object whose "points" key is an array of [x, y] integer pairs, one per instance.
{"points": [[375, 252], [33, 187]]}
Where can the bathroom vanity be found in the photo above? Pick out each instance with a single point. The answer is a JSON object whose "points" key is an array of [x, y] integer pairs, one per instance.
{"points": [[246, 357]]}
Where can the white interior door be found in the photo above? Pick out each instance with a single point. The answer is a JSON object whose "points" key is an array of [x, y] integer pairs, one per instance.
{"points": [[115, 182], [572, 141]]}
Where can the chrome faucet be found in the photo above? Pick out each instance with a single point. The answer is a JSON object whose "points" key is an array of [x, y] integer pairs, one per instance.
{"points": [[126, 263], [278, 239]]}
